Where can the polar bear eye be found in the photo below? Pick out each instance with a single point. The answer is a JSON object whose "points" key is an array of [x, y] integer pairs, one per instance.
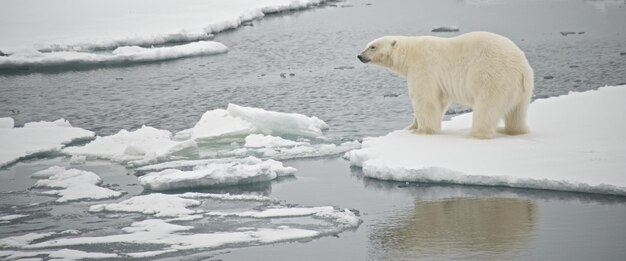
{"points": [[372, 47]]}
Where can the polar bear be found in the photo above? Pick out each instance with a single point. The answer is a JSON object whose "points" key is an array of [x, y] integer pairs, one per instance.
{"points": [[483, 70]]}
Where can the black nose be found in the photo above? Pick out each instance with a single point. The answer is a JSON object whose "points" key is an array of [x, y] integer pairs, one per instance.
{"points": [[362, 58]]}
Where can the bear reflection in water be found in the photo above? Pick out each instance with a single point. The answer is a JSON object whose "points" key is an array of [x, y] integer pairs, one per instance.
{"points": [[474, 228]]}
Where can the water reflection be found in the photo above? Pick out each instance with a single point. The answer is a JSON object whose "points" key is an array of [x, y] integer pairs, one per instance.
{"points": [[473, 228]]}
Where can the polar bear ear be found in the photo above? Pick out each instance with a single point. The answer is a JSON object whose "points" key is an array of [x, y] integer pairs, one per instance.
{"points": [[393, 43]]}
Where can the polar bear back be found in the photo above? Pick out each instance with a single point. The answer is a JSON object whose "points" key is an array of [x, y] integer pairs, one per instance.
{"points": [[465, 67]]}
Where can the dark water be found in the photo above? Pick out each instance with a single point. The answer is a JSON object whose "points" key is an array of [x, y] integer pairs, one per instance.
{"points": [[319, 47]]}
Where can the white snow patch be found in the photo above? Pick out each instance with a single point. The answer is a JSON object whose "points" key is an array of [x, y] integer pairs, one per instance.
{"points": [[72, 184], [140, 146], [159, 205], [279, 123], [251, 170], [126, 54], [37, 138], [577, 144]]}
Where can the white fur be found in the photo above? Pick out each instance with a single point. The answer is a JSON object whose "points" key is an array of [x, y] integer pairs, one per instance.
{"points": [[483, 70]]}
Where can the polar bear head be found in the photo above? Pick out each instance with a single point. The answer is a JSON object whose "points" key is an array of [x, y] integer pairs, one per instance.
{"points": [[379, 51]]}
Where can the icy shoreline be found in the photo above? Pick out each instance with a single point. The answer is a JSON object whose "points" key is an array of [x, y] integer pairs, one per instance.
{"points": [[575, 145]]}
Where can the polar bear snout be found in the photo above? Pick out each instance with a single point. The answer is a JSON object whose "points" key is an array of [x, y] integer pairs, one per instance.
{"points": [[363, 59]]}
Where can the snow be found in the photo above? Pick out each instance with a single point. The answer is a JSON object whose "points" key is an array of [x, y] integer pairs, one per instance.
{"points": [[125, 54], [576, 144], [52, 26], [248, 171], [72, 184], [36, 139], [279, 123], [143, 145], [159, 205]]}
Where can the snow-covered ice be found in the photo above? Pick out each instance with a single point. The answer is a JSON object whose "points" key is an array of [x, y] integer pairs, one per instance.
{"points": [[125, 54], [279, 123], [159, 205], [251, 170], [37, 138], [72, 184], [577, 144], [111, 24], [144, 145]]}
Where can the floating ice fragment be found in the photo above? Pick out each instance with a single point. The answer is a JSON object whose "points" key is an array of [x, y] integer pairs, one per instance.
{"points": [[216, 174], [37, 138], [576, 144], [159, 205], [125, 54], [72, 184], [144, 145]]}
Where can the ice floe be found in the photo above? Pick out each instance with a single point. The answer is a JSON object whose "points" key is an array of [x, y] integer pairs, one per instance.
{"points": [[250, 170], [159, 205], [117, 23], [36, 138], [143, 145], [125, 54], [577, 144], [237, 132], [72, 184]]}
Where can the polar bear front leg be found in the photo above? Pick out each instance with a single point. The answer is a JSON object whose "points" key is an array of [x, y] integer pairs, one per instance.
{"points": [[428, 107]]}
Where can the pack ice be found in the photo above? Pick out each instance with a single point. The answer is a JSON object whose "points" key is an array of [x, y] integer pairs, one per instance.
{"points": [[577, 144], [36, 138]]}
